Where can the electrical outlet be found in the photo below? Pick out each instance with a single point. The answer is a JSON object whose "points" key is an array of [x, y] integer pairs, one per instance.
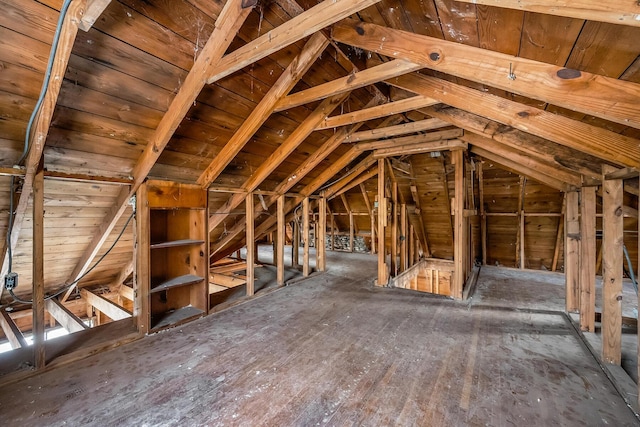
{"points": [[11, 281]]}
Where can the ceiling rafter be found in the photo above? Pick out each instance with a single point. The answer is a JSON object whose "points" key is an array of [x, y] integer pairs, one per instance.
{"points": [[402, 129], [621, 12], [287, 80], [357, 180], [410, 140], [419, 148], [228, 23], [593, 94], [590, 139]]}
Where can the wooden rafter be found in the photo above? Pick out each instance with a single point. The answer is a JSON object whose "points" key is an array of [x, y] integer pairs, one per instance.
{"points": [[377, 112], [621, 12], [41, 125], [596, 141], [348, 177], [418, 148], [297, 28], [64, 316], [409, 140], [351, 82], [291, 75], [11, 330], [402, 129], [356, 181], [108, 307], [600, 96], [228, 23]]}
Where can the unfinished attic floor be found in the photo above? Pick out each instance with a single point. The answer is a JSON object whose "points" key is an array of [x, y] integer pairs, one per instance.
{"points": [[334, 350]]}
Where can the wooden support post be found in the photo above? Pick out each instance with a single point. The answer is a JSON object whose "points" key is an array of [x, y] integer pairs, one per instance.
{"points": [[612, 255], [394, 229], [295, 244], [280, 241], [572, 252], [460, 228], [483, 216], [11, 330], [638, 358], [588, 259], [333, 231], [520, 261], [305, 236], [321, 258], [351, 236], [251, 244], [411, 248], [382, 222], [556, 252], [403, 237], [38, 267]]}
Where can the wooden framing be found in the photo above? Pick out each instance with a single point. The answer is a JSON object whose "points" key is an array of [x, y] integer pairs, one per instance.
{"points": [[383, 274], [600, 96], [403, 238], [404, 150], [280, 241], [11, 331], [572, 252], [612, 238], [37, 292], [321, 258], [588, 259], [460, 226], [250, 243], [305, 237], [66, 318], [391, 131], [108, 307], [611, 11]]}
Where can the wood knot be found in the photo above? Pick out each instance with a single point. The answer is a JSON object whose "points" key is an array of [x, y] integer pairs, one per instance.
{"points": [[523, 114], [568, 74], [360, 31], [435, 56], [618, 211]]}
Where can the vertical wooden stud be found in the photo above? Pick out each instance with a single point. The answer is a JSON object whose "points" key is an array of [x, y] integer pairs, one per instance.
{"points": [[351, 236], [321, 258], [333, 232], [638, 358], [305, 236], [403, 237], [394, 229], [572, 252], [295, 244], [38, 268], [251, 244], [280, 241], [588, 259], [142, 279], [411, 246], [382, 219], [612, 255], [483, 216], [460, 229], [556, 252]]}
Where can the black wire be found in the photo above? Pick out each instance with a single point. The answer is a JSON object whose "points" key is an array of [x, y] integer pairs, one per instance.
{"points": [[66, 287]]}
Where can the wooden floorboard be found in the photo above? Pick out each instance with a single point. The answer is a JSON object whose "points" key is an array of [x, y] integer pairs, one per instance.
{"points": [[334, 350]]}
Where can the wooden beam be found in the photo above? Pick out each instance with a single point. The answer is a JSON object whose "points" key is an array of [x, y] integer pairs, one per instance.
{"points": [[572, 252], [276, 158], [410, 140], [562, 174], [37, 293], [297, 28], [638, 301], [11, 330], [403, 238], [403, 129], [64, 316], [521, 169], [291, 75], [588, 259], [226, 26], [280, 241], [520, 261], [560, 234], [604, 97], [460, 228], [321, 258], [305, 236], [595, 141], [621, 12], [347, 178], [358, 181], [250, 243], [40, 128], [92, 12], [348, 83], [383, 274], [105, 306], [427, 147], [624, 173], [377, 112], [612, 255]]}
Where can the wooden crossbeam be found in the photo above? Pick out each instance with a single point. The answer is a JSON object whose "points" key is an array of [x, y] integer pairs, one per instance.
{"points": [[621, 12], [64, 316], [362, 166], [92, 12], [351, 82], [377, 112], [291, 75], [11, 330], [297, 28], [596, 141], [427, 147], [274, 160], [604, 97], [409, 140], [228, 23], [624, 173], [403, 129], [41, 125], [364, 177], [108, 307]]}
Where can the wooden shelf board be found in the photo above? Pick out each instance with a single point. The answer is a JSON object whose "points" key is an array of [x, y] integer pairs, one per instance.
{"points": [[178, 316], [174, 243], [187, 279]]}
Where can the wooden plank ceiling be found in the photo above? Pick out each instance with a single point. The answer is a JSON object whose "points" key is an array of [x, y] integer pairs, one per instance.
{"points": [[533, 94]]}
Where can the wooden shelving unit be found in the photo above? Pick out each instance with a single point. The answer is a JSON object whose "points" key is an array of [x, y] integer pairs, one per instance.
{"points": [[172, 254]]}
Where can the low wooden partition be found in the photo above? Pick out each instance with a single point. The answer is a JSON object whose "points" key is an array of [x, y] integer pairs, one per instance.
{"points": [[430, 275]]}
